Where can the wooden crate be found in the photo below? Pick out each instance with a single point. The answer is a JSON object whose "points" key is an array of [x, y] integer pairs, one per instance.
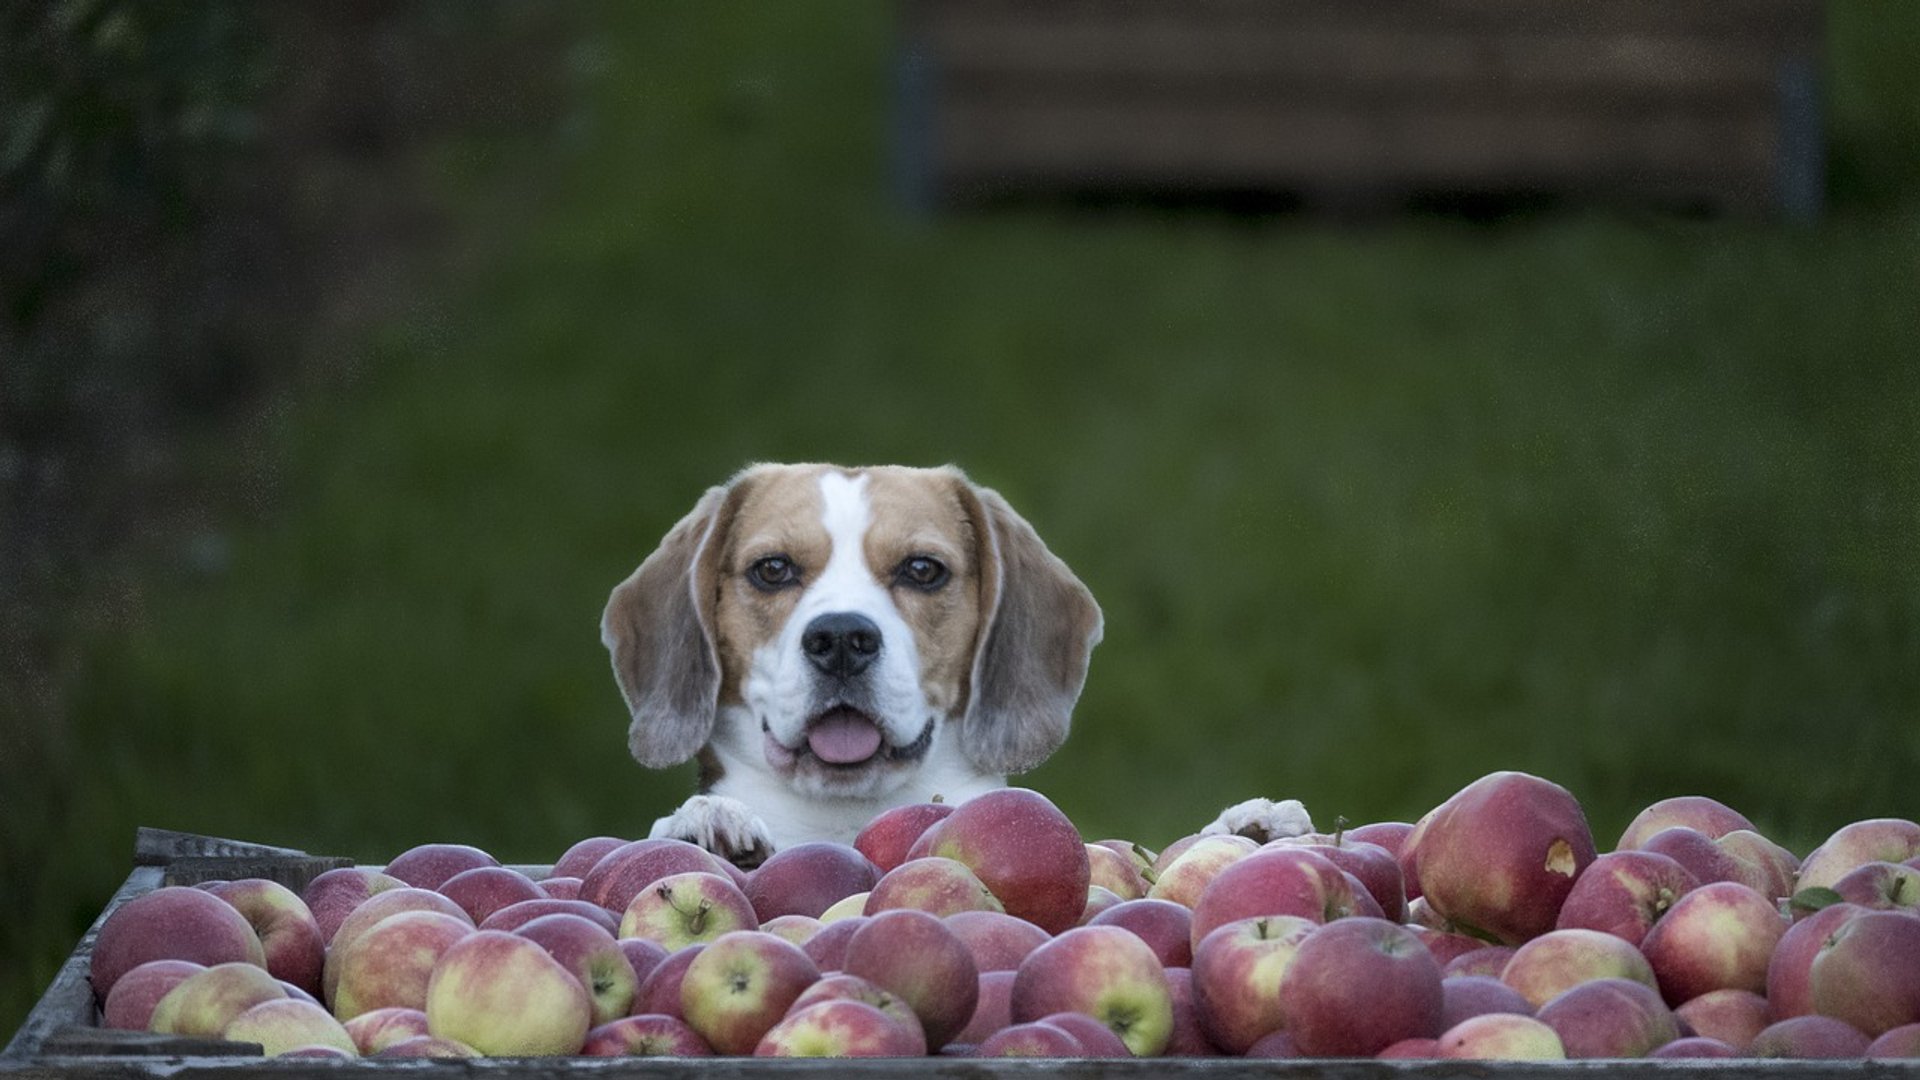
{"points": [[61, 1039], [1689, 102]]}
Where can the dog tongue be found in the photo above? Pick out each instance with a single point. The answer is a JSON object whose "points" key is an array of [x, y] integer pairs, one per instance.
{"points": [[843, 738]]}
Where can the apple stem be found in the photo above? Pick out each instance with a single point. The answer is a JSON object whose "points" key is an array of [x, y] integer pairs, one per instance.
{"points": [[699, 921], [1339, 828], [937, 798], [1146, 857]]}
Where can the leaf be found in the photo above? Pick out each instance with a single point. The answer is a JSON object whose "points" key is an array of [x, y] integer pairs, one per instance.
{"points": [[1809, 900]]}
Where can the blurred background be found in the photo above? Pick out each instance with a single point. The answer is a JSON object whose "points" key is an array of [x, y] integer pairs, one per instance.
{"points": [[348, 359]]}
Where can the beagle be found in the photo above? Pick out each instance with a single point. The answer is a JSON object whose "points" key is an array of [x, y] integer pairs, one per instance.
{"points": [[831, 642]]}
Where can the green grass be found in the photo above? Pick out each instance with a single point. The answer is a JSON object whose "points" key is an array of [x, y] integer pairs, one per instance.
{"points": [[1627, 502]]}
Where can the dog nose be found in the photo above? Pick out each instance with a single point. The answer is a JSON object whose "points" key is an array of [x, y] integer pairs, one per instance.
{"points": [[842, 643]]}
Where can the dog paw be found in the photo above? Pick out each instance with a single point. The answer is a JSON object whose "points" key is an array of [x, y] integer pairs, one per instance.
{"points": [[1261, 820], [721, 825]]}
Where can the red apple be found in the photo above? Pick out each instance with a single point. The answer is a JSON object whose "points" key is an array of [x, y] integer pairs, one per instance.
{"points": [[840, 1028], [1790, 968], [1376, 869], [934, 885], [377, 1029], [1097, 1040], [626, 870], [1391, 835], [286, 1024], [1106, 972], [659, 991], [1273, 881], [1902, 1042], [828, 947], [998, 941], [1882, 886], [391, 962], [171, 923], [583, 855], [1237, 973], [1031, 1039], [1560, 959], [1404, 1050], [1501, 1037], [1487, 960], [643, 956], [1447, 947], [1188, 1038], [1874, 840], [129, 1005], [330, 1053], [1356, 986], [1610, 1018], [992, 1011], [377, 909], [1809, 1037], [514, 916], [646, 1035], [1624, 893], [680, 909], [1195, 866], [886, 839], [585, 948], [739, 987], [913, 954], [428, 866], [1704, 815], [502, 995], [290, 937], [1719, 936], [1760, 864], [1499, 857], [484, 890], [1165, 926], [559, 888], [1732, 1016], [1099, 899], [1464, 996], [1694, 1046], [1868, 972], [1279, 1045], [807, 878], [833, 986], [1115, 871], [335, 893], [1025, 851], [205, 1002]]}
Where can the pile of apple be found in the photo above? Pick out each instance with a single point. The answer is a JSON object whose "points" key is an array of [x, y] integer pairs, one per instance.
{"points": [[1490, 929]]}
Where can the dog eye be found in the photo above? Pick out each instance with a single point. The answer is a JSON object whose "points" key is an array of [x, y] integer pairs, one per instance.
{"points": [[922, 572], [773, 572]]}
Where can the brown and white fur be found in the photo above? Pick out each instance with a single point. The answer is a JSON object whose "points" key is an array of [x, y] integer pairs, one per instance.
{"points": [[797, 604]]}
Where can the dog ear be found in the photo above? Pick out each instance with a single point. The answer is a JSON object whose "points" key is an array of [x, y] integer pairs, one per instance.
{"points": [[1031, 660], [658, 626]]}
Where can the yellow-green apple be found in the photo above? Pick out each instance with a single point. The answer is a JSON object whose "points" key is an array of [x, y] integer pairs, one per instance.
{"points": [[1115, 871], [828, 948], [680, 909], [886, 839], [428, 866], [1873, 840], [1624, 893], [1024, 849], [377, 909], [1499, 856], [171, 923], [390, 964], [1196, 865], [1902, 1042], [502, 995], [205, 1002], [129, 1005], [660, 988], [1236, 976], [285, 1024], [484, 890], [1708, 816], [740, 985], [1807, 1037], [1501, 1037], [846, 908], [840, 1028], [1693, 1046], [1559, 959], [1788, 990], [808, 878], [559, 888], [514, 916], [581, 856], [646, 1035], [1188, 1038], [1097, 1040], [290, 937], [1732, 1016], [795, 928], [1610, 1018], [331, 1053], [998, 941], [1356, 986], [428, 1046], [913, 954], [1882, 886], [377, 1029], [643, 956], [993, 1010], [932, 884], [626, 870], [335, 893], [1030, 1039], [1099, 899], [1868, 972], [1487, 960], [1273, 881], [1464, 996], [1719, 936], [1106, 972], [595, 958], [1165, 926]]}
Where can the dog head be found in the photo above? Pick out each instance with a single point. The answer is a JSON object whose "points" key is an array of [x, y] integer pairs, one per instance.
{"points": [[837, 627]]}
